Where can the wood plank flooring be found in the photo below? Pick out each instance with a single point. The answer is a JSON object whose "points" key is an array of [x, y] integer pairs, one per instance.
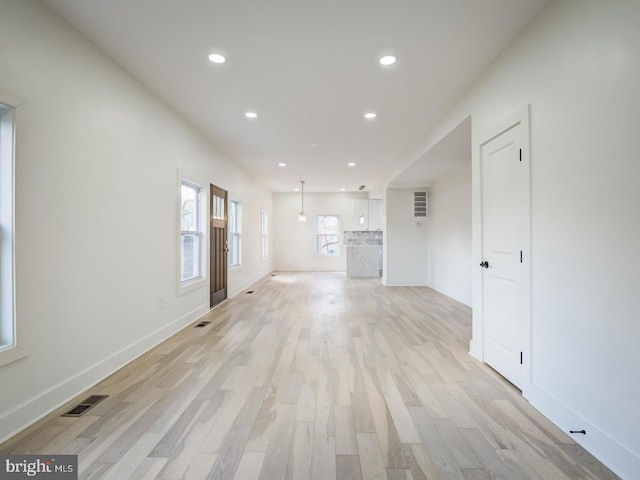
{"points": [[314, 376]]}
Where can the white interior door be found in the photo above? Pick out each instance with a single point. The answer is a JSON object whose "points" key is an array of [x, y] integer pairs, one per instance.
{"points": [[505, 216]]}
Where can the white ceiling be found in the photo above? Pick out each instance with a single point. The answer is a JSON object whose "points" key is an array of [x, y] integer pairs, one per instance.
{"points": [[449, 154], [310, 71]]}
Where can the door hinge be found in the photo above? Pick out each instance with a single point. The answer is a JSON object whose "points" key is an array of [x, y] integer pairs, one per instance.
{"points": [[520, 256], [520, 358], [520, 154]]}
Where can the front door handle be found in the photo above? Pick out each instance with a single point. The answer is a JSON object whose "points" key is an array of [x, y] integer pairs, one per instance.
{"points": [[485, 264], [226, 245]]}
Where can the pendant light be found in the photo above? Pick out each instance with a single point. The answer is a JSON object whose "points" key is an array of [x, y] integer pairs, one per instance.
{"points": [[302, 217]]}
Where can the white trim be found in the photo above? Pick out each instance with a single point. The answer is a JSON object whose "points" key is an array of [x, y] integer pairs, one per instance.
{"points": [[191, 285], [30, 411], [615, 455], [264, 214], [10, 351], [339, 244], [202, 279], [231, 233], [314, 268], [10, 99], [474, 350], [405, 282]]}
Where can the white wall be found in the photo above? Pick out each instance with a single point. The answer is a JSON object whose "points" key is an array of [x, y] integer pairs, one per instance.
{"points": [[578, 65], [449, 234], [97, 165], [294, 241], [405, 241]]}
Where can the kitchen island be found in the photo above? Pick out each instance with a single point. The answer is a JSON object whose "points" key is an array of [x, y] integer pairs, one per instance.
{"points": [[364, 253]]}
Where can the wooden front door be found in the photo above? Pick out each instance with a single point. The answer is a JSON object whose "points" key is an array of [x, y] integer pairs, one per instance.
{"points": [[218, 246]]}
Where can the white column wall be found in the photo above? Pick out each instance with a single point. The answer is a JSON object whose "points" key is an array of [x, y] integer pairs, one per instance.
{"points": [[449, 235], [406, 240]]}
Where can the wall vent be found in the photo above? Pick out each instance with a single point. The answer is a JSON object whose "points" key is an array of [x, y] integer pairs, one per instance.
{"points": [[419, 204], [84, 406]]}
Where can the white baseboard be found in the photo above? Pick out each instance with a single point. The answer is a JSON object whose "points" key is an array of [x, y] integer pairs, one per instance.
{"points": [[408, 282], [474, 350], [613, 454], [16, 420], [309, 269], [246, 284]]}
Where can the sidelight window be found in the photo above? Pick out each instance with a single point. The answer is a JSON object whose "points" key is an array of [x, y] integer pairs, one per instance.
{"points": [[235, 233]]}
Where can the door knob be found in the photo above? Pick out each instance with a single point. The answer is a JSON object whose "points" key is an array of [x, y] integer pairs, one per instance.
{"points": [[485, 264]]}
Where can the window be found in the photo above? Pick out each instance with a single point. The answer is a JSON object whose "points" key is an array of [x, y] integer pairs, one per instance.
{"points": [[190, 241], [327, 235], [265, 235], [235, 232], [9, 351]]}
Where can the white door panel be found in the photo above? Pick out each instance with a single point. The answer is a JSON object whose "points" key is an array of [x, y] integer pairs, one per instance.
{"points": [[503, 177]]}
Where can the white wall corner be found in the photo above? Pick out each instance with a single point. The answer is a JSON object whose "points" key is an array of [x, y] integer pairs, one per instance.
{"points": [[474, 350]]}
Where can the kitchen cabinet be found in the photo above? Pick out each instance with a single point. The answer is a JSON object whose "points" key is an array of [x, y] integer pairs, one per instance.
{"points": [[375, 214], [367, 215]]}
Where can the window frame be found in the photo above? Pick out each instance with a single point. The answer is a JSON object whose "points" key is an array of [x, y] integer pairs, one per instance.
{"points": [[200, 279], [235, 234], [317, 235], [10, 348], [264, 234]]}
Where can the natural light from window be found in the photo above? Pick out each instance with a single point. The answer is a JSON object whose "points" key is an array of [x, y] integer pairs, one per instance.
{"points": [[9, 351], [235, 232], [265, 235], [189, 231], [327, 235]]}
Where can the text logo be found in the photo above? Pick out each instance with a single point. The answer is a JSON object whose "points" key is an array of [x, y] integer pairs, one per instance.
{"points": [[58, 467]]}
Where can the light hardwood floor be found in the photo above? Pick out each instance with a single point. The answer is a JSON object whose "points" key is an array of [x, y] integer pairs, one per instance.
{"points": [[314, 376]]}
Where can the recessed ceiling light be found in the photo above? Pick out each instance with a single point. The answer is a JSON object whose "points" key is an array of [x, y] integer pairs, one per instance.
{"points": [[343, 189], [282, 164], [296, 189], [217, 58], [387, 60], [251, 115], [351, 164], [370, 115]]}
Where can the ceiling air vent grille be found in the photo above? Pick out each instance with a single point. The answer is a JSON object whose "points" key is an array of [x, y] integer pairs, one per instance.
{"points": [[419, 204]]}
